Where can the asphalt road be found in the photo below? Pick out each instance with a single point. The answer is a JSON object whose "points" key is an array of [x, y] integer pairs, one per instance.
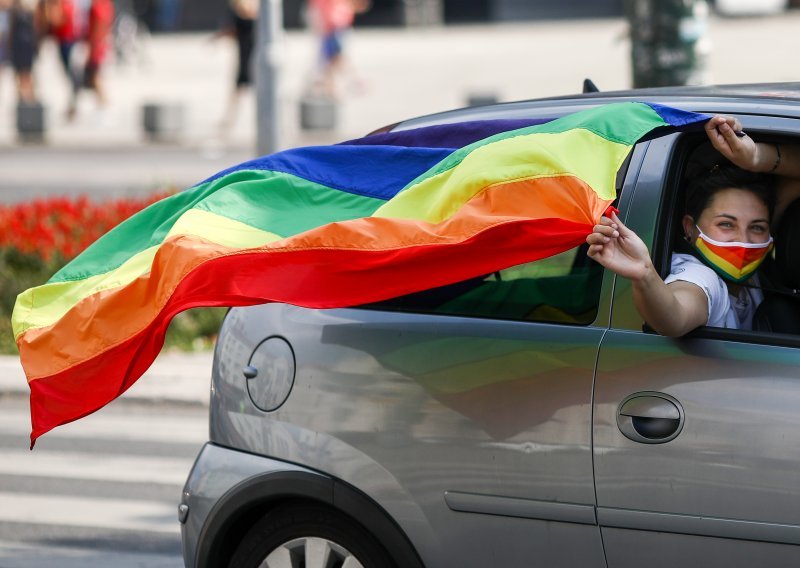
{"points": [[99, 492]]}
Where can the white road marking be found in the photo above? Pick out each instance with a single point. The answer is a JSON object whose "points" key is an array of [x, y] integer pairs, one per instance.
{"points": [[88, 512], [81, 465]]}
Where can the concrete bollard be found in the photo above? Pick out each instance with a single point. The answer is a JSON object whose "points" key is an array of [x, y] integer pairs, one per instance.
{"points": [[163, 122], [317, 112], [30, 122]]}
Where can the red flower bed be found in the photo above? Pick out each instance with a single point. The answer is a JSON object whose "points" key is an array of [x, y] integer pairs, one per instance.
{"points": [[59, 228]]}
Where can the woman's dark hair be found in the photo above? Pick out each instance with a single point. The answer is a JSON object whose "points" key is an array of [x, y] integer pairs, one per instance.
{"points": [[701, 189]]}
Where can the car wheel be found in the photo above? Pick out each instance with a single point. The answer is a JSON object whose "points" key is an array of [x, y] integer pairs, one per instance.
{"points": [[308, 536]]}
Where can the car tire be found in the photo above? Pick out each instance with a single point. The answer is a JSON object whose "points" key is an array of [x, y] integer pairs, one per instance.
{"points": [[304, 535]]}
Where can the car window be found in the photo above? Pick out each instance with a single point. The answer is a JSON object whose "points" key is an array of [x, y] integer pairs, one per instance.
{"points": [[564, 288], [779, 308]]}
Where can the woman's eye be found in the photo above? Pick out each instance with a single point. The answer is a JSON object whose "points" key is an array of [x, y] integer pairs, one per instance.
{"points": [[726, 225], [758, 229]]}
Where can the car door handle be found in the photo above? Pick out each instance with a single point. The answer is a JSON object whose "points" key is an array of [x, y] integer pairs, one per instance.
{"points": [[650, 417]]}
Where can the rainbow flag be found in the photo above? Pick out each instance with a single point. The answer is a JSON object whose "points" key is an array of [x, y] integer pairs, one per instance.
{"points": [[323, 227]]}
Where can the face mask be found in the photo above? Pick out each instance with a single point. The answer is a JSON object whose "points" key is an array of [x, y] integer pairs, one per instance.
{"points": [[733, 261]]}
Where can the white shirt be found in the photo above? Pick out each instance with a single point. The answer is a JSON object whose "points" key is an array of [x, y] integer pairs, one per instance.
{"points": [[724, 309]]}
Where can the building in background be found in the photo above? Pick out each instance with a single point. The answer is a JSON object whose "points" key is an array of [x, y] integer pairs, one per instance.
{"points": [[208, 14]]}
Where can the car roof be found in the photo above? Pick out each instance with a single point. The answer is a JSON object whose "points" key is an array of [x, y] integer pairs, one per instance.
{"points": [[773, 99]]}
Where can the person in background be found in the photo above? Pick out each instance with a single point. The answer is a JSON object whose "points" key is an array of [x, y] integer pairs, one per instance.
{"points": [[243, 16], [98, 41], [60, 23], [24, 28], [332, 21], [5, 17], [131, 33], [167, 15]]}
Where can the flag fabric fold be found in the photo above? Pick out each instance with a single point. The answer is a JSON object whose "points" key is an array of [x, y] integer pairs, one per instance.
{"points": [[323, 227]]}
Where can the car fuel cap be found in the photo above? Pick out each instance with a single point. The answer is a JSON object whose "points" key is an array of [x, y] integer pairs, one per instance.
{"points": [[270, 373]]}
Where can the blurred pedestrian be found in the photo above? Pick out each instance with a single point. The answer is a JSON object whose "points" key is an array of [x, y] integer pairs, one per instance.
{"points": [[332, 21], [243, 16], [24, 27], [98, 42], [5, 22], [131, 32], [168, 14], [60, 21]]}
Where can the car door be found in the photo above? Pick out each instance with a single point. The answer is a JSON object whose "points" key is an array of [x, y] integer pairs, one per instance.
{"points": [[464, 412], [696, 439]]}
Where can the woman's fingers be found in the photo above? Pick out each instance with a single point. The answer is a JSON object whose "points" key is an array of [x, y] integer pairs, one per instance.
{"points": [[598, 239], [624, 231], [595, 252], [713, 124], [605, 230], [729, 134], [716, 129], [717, 120]]}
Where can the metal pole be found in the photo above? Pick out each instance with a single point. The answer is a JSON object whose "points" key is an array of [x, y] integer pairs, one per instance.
{"points": [[668, 42], [269, 39]]}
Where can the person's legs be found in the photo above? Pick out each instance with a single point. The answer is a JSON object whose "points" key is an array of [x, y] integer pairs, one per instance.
{"points": [[26, 92], [331, 62], [242, 82], [92, 80], [65, 56], [23, 55]]}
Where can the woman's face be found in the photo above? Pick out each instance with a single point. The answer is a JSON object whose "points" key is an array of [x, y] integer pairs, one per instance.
{"points": [[732, 215]]}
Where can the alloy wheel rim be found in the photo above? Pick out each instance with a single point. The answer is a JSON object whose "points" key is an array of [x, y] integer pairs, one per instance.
{"points": [[310, 552]]}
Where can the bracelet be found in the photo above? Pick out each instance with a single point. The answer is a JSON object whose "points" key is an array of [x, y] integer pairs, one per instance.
{"points": [[777, 159]]}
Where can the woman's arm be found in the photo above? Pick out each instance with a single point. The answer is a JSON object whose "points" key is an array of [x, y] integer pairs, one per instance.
{"points": [[750, 155], [672, 309]]}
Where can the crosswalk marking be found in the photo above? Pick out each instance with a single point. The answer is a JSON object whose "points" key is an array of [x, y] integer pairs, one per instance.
{"points": [[94, 466], [87, 512], [19, 555], [103, 492]]}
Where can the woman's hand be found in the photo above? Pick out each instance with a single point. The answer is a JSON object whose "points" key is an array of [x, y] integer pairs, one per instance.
{"points": [[672, 310], [619, 249], [741, 150]]}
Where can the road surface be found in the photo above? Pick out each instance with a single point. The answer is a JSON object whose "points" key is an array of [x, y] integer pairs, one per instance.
{"points": [[99, 492]]}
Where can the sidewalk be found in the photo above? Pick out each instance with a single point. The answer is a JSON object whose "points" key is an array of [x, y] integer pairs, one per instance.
{"points": [[407, 72]]}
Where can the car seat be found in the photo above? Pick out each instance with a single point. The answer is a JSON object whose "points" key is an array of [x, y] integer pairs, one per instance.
{"points": [[780, 311]]}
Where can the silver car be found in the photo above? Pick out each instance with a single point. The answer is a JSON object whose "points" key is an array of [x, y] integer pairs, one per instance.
{"points": [[526, 418]]}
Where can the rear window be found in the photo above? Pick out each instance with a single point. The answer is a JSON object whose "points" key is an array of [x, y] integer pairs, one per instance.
{"points": [[561, 289]]}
